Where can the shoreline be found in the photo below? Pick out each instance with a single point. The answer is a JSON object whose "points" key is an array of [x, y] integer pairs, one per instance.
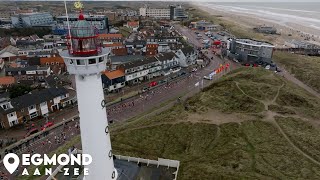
{"points": [[288, 31]]}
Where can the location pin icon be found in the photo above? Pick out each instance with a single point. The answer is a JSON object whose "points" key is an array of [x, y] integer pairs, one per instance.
{"points": [[11, 167]]}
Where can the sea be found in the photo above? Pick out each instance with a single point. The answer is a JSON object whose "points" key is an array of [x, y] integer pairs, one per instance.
{"points": [[285, 13]]}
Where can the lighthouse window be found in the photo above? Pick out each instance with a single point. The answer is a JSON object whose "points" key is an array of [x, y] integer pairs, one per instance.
{"points": [[80, 62], [92, 61]]}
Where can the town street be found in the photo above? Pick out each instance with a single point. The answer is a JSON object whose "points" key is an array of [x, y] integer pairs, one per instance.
{"points": [[129, 108]]}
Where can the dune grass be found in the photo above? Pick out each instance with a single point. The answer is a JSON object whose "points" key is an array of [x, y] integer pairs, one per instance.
{"points": [[252, 149], [304, 68]]}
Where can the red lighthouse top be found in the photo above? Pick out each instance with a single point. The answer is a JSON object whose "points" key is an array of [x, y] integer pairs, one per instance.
{"points": [[83, 38]]}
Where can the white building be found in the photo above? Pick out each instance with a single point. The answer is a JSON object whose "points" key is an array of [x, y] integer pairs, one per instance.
{"points": [[186, 56], [155, 13], [31, 19]]}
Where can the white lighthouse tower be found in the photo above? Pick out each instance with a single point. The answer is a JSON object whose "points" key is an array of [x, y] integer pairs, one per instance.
{"points": [[86, 60]]}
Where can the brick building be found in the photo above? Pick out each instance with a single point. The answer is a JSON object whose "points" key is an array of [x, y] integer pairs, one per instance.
{"points": [[31, 73], [29, 106]]}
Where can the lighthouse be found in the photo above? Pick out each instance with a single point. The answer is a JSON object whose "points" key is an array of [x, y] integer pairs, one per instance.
{"points": [[86, 59]]}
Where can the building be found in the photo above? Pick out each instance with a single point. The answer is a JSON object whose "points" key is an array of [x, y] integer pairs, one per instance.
{"points": [[53, 62], [26, 41], [7, 81], [29, 106], [266, 29], [86, 61], [137, 71], [98, 21], [133, 25], [152, 49], [119, 51], [32, 19], [1, 64], [31, 73], [168, 62], [301, 44], [110, 15], [155, 13], [48, 49], [165, 43], [178, 13], [250, 51], [113, 80], [107, 38], [186, 56], [115, 61], [205, 26], [9, 53]]}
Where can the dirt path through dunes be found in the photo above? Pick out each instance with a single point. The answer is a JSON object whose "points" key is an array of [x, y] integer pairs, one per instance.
{"points": [[270, 117], [291, 78]]}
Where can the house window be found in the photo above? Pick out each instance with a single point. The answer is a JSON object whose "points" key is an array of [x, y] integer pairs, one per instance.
{"points": [[101, 59], [92, 61], [33, 115], [47, 63], [52, 63], [11, 114], [81, 62], [5, 106], [22, 110], [57, 63]]}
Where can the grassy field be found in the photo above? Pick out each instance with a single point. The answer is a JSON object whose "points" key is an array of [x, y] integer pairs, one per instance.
{"points": [[250, 149], [304, 68]]}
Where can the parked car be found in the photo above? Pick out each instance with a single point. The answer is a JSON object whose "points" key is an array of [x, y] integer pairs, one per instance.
{"points": [[145, 89], [181, 73], [48, 124], [153, 83], [162, 81], [267, 67], [207, 78], [32, 131]]}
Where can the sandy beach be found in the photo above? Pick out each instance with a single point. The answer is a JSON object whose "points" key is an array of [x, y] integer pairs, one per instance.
{"points": [[288, 30]]}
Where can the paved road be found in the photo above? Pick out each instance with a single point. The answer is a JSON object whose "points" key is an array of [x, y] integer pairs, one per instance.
{"points": [[127, 109]]}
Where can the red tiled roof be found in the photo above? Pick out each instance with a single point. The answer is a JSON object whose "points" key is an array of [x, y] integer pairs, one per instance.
{"points": [[110, 36], [120, 51], [133, 23], [7, 80], [113, 45], [114, 74], [49, 60]]}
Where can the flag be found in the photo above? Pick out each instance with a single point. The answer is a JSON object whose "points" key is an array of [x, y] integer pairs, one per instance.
{"points": [[197, 84]]}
